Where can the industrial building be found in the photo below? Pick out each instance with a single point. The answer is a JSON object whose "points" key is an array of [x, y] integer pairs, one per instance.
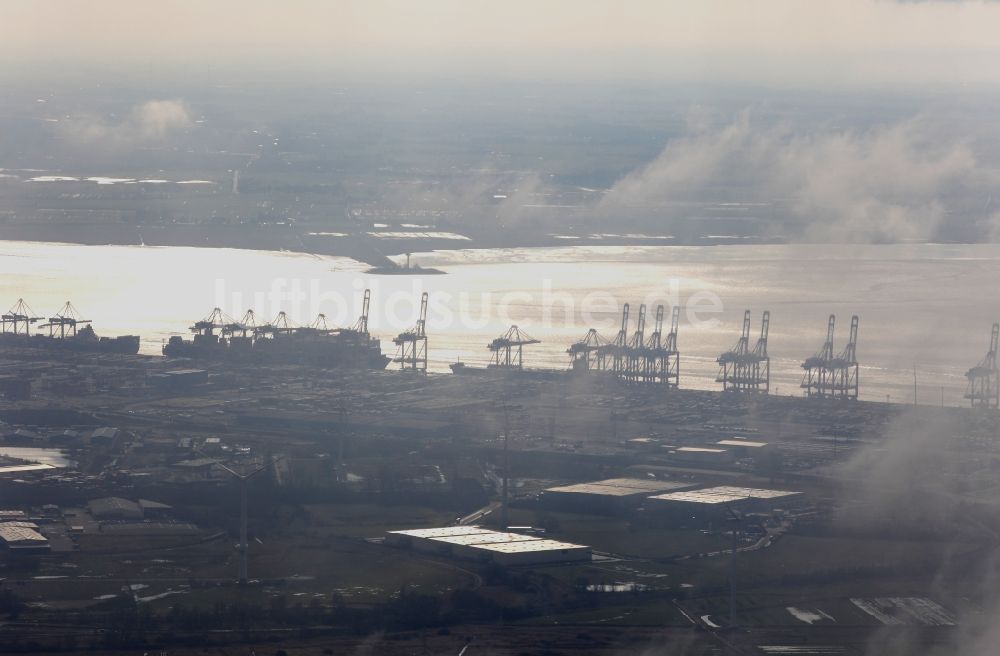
{"points": [[115, 508], [533, 552], [424, 539], [154, 509], [467, 546], [720, 498], [474, 543], [23, 539], [700, 455], [743, 447], [119, 508], [104, 436], [608, 496]]}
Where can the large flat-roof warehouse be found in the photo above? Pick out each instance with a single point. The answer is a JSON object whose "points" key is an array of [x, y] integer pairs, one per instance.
{"points": [[609, 494], [714, 497], [427, 539], [535, 552], [500, 547]]}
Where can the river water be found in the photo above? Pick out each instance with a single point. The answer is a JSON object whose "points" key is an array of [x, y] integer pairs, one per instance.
{"points": [[924, 306]]}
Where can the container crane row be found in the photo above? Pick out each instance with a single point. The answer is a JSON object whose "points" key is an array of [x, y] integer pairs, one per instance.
{"points": [[635, 357]]}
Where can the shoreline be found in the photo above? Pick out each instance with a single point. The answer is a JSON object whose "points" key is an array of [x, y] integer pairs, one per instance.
{"points": [[358, 246]]}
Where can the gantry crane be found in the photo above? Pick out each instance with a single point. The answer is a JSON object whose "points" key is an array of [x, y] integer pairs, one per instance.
{"points": [[654, 361], [729, 361], [214, 321], [635, 358], [411, 353], [672, 375], [320, 325], [844, 368], [662, 361], [361, 327], [282, 325], [635, 350], [18, 319], [816, 379], [589, 353], [65, 320], [359, 331], [616, 348], [242, 333], [829, 376], [208, 330], [246, 327], [984, 378], [761, 361], [742, 369], [508, 349]]}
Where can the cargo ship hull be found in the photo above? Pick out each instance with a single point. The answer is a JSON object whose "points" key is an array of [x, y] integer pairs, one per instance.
{"points": [[83, 342], [499, 372], [354, 351]]}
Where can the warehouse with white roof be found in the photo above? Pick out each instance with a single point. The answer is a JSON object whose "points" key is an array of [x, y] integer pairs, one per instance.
{"points": [[609, 495], [718, 498], [484, 545]]}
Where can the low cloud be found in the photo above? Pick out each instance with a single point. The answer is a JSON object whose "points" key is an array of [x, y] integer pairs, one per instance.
{"points": [[889, 183], [915, 460], [151, 123], [920, 483]]}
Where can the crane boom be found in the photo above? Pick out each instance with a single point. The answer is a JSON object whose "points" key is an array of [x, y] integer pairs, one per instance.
{"points": [[623, 331], [827, 352], [765, 323], [365, 305], [422, 322], [994, 338], [850, 351], [656, 339]]}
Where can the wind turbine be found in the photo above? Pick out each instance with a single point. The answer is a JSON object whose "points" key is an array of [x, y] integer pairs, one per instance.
{"points": [[242, 546], [506, 467], [736, 522]]}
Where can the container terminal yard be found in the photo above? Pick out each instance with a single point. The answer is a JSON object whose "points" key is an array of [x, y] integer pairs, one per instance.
{"points": [[158, 502]]}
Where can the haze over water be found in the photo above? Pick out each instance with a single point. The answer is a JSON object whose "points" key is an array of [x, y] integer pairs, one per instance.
{"points": [[926, 305]]}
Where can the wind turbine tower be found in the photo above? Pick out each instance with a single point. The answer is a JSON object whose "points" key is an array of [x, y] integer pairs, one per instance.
{"points": [[242, 546]]}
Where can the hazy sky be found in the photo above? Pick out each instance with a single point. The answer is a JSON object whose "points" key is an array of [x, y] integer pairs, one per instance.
{"points": [[790, 42]]}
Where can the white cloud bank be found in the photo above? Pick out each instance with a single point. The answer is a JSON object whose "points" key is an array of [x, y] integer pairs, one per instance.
{"points": [[151, 123], [885, 184]]}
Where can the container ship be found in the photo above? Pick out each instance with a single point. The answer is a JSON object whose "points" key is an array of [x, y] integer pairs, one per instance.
{"points": [[67, 332], [219, 337]]}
